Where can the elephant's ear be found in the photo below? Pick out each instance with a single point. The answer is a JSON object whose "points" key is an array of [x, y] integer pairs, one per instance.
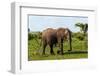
{"points": [[66, 32]]}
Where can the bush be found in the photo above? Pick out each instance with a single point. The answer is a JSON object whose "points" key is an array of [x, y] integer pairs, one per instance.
{"points": [[30, 36], [79, 36]]}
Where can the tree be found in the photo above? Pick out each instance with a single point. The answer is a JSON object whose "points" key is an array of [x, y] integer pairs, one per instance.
{"points": [[83, 27]]}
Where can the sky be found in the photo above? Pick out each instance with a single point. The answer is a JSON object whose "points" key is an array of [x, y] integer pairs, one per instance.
{"points": [[39, 23]]}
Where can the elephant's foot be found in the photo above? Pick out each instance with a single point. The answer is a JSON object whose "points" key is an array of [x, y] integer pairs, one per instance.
{"points": [[52, 53], [60, 52]]}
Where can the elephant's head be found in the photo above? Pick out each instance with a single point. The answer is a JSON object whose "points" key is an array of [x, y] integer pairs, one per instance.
{"points": [[65, 33], [68, 34]]}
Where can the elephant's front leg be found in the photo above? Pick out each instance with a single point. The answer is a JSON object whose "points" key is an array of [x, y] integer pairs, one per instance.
{"points": [[51, 50]]}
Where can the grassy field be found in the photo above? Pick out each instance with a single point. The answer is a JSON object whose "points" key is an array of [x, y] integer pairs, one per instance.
{"points": [[79, 50]]}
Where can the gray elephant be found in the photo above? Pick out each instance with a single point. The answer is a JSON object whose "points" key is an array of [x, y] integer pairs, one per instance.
{"points": [[52, 37]]}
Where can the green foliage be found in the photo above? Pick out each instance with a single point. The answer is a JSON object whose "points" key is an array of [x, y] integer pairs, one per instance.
{"points": [[34, 35], [30, 36], [79, 36]]}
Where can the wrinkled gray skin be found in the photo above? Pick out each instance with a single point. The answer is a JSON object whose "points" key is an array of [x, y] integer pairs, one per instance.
{"points": [[52, 37]]}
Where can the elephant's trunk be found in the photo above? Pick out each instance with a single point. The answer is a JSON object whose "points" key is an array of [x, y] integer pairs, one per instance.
{"points": [[70, 40]]}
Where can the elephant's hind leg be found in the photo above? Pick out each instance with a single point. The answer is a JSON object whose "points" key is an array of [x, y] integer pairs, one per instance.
{"points": [[51, 50], [44, 46]]}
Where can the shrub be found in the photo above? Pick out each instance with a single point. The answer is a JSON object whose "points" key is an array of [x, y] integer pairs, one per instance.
{"points": [[30, 36], [79, 36]]}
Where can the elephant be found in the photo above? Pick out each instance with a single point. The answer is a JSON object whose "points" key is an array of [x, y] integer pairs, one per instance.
{"points": [[52, 37]]}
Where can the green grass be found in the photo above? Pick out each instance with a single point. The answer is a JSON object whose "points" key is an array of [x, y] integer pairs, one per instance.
{"points": [[79, 50]]}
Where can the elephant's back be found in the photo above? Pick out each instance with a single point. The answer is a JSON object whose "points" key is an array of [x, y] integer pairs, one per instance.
{"points": [[49, 32]]}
